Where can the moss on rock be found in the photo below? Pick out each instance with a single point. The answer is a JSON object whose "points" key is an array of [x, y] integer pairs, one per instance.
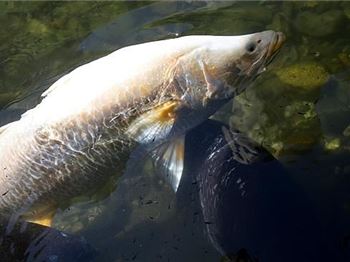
{"points": [[37, 27], [319, 25], [304, 75]]}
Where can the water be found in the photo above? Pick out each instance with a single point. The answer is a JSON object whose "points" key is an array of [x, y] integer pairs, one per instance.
{"points": [[298, 111]]}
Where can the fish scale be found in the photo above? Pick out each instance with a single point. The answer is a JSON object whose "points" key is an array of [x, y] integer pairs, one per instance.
{"points": [[51, 161], [90, 120]]}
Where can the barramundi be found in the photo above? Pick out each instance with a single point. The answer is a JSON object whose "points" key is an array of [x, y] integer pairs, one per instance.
{"points": [[33, 242], [89, 121], [249, 202]]}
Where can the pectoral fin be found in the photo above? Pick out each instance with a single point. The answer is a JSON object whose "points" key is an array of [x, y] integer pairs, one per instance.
{"points": [[44, 220], [153, 125], [214, 86], [169, 160]]}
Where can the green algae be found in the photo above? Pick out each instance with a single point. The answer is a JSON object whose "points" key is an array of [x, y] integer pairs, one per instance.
{"points": [[36, 27], [304, 75], [319, 25], [36, 30], [279, 128]]}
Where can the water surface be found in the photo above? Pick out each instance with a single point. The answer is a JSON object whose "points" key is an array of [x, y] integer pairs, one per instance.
{"points": [[299, 110]]}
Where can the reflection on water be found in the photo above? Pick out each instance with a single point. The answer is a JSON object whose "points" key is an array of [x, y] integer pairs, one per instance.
{"points": [[298, 111]]}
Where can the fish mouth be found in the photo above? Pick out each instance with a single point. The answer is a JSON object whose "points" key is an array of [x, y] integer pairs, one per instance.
{"points": [[275, 45]]}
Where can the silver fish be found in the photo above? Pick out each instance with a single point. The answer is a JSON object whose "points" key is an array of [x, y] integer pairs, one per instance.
{"points": [[91, 119]]}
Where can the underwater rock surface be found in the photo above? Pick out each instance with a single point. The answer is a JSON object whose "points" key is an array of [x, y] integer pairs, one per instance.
{"points": [[305, 75], [319, 25]]}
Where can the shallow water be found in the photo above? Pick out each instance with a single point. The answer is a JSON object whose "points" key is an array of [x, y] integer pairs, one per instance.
{"points": [[299, 110]]}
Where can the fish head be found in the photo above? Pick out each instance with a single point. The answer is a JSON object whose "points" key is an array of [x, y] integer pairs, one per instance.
{"points": [[221, 67], [201, 74]]}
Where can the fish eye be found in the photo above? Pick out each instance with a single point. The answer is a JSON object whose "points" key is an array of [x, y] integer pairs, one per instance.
{"points": [[251, 47]]}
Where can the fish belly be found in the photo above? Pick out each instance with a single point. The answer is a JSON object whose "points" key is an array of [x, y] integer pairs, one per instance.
{"points": [[45, 167]]}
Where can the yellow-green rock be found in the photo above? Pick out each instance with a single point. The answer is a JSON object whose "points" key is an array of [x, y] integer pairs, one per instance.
{"points": [[332, 144], [36, 27], [304, 75], [310, 3], [346, 131], [347, 12], [319, 25], [344, 58]]}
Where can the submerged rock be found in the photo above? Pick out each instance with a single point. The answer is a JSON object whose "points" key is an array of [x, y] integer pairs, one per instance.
{"points": [[139, 25], [346, 131], [305, 75], [344, 58], [280, 22], [318, 25], [287, 126], [37, 27], [331, 144], [6, 98], [333, 111], [346, 7]]}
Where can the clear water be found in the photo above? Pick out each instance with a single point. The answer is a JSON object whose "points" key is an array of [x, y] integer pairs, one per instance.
{"points": [[299, 110]]}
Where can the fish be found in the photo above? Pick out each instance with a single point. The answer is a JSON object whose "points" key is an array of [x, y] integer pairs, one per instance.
{"points": [[147, 96], [146, 23], [32, 242], [252, 209], [134, 26]]}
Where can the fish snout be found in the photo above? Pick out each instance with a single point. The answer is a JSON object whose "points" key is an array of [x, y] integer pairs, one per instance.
{"points": [[268, 42], [256, 52], [275, 44], [259, 51]]}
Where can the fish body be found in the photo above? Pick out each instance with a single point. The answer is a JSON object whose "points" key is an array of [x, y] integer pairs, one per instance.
{"points": [[91, 119], [31, 242], [250, 203]]}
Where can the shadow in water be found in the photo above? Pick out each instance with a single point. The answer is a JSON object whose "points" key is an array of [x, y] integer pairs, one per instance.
{"points": [[32, 242], [249, 201], [235, 200]]}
